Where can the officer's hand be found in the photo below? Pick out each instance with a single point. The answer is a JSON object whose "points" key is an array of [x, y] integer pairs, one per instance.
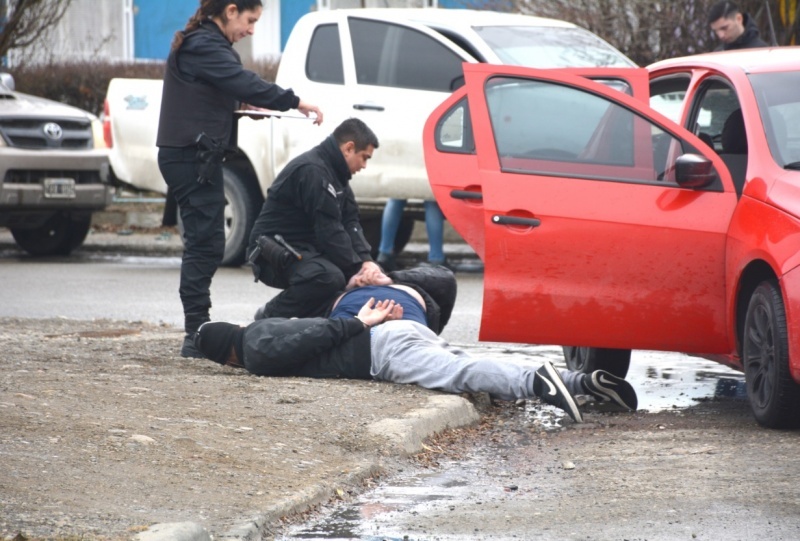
{"points": [[307, 109], [373, 274]]}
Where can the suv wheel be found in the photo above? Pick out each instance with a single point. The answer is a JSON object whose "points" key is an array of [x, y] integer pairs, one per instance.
{"points": [[59, 235]]}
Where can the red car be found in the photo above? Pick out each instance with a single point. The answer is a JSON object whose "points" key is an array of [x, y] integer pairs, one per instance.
{"points": [[609, 225]]}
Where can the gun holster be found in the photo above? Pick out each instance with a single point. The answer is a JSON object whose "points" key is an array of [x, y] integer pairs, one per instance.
{"points": [[269, 252], [209, 158]]}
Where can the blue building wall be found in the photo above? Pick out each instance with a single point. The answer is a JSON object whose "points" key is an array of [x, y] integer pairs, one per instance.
{"points": [[155, 22], [290, 14]]}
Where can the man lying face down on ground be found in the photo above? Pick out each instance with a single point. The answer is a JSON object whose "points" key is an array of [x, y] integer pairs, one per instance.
{"points": [[390, 333]]}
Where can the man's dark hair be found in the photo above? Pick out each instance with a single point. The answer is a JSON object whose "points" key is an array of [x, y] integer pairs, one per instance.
{"points": [[354, 129], [722, 9]]}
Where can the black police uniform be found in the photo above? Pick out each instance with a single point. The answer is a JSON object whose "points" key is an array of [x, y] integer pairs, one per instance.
{"points": [[312, 206], [203, 85]]}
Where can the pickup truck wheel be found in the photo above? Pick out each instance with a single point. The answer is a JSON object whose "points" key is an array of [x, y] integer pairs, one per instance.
{"points": [[371, 224], [59, 235], [242, 205], [586, 360], [774, 395]]}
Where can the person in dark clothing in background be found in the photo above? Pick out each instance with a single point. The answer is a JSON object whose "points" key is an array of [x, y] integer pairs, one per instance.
{"points": [[736, 30], [311, 218], [204, 84]]}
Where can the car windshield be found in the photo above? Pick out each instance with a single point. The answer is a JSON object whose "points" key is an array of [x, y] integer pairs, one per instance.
{"points": [[548, 47], [779, 105]]}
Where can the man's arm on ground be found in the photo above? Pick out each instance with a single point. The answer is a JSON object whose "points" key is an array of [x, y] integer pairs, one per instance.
{"points": [[277, 346]]}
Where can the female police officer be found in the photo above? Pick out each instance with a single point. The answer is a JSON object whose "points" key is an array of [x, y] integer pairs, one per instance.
{"points": [[204, 84]]}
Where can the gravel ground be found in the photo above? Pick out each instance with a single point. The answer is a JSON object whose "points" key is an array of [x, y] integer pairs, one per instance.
{"points": [[106, 432]]}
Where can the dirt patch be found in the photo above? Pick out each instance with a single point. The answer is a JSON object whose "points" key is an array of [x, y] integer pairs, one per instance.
{"points": [[106, 431]]}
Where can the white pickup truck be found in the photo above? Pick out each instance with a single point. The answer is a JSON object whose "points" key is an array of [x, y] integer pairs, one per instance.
{"points": [[389, 67]]}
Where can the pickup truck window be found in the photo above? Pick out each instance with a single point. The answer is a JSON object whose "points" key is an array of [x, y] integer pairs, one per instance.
{"points": [[324, 64], [396, 56], [547, 47]]}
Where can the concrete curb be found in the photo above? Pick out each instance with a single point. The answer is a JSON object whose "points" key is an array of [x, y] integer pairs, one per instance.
{"points": [[402, 437]]}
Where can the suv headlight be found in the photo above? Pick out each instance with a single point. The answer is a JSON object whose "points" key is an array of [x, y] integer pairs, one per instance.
{"points": [[97, 134]]}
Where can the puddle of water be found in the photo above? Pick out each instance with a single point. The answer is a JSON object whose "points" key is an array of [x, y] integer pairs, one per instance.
{"points": [[674, 380], [662, 381]]}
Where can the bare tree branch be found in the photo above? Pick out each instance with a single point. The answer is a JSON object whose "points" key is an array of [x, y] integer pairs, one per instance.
{"points": [[647, 30], [27, 20]]}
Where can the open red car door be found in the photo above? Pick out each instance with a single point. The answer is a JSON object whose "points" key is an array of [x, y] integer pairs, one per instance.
{"points": [[568, 190]]}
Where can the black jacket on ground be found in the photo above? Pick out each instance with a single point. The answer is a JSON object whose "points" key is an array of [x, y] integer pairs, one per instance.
{"points": [[203, 85], [310, 347], [313, 207], [749, 39], [337, 348]]}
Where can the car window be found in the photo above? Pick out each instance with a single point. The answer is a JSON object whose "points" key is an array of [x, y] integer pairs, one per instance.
{"points": [[667, 95], [718, 121], [324, 64], [716, 102], [392, 55], [454, 130], [779, 106], [546, 128], [550, 47]]}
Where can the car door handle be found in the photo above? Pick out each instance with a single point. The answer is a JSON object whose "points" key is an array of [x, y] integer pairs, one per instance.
{"points": [[464, 194], [516, 220], [367, 107]]}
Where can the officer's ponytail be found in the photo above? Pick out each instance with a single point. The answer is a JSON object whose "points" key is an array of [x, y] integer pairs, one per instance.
{"points": [[209, 9]]}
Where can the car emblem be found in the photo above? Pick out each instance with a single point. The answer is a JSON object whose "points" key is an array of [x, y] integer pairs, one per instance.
{"points": [[53, 131]]}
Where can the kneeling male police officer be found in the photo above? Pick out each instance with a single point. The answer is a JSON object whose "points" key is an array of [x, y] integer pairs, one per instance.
{"points": [[307, 240]]}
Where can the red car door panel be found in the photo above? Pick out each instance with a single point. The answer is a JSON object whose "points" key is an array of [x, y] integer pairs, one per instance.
{"points": [[587, 239], [457, 186]]}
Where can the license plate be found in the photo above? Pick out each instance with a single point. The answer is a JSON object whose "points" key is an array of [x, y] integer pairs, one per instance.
{"points": [[59, 188]]}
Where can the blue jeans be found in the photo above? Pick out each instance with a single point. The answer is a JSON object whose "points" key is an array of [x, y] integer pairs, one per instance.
{"points": [[434, 225]]}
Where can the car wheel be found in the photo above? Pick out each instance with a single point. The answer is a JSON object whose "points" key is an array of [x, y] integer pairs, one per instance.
{"points": [[242, 205], [586, 360], [774, 395], [59, 235], [371, 224]]}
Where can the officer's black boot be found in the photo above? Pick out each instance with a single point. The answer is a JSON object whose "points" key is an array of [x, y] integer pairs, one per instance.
{"points": [[192, 322]]}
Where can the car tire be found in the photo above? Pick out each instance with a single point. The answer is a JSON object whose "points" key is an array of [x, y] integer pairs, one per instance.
{"points": [[587, 360], [59, 235], [242, 205], [774, 396], [371, 224]]}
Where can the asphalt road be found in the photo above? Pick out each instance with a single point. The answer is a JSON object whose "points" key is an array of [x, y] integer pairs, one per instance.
{"points": [[136, 288], [692, 464]]}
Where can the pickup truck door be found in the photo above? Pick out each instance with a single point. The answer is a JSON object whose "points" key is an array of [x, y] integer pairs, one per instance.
{"points": [[570, 198], [391, 76]]}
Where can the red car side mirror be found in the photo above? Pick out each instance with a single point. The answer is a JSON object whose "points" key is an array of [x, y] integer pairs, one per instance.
{"points": [[694, 171]]}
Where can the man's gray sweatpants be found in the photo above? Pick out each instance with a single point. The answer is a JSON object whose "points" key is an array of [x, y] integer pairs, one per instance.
{"points": [[404, 351]]}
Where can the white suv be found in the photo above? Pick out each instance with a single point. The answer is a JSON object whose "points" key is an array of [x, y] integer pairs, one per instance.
{"points": [[53, 171]]}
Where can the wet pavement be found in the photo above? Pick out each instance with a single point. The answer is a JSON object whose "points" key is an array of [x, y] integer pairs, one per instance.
{"points": [[418, 503], [488, 479]]}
